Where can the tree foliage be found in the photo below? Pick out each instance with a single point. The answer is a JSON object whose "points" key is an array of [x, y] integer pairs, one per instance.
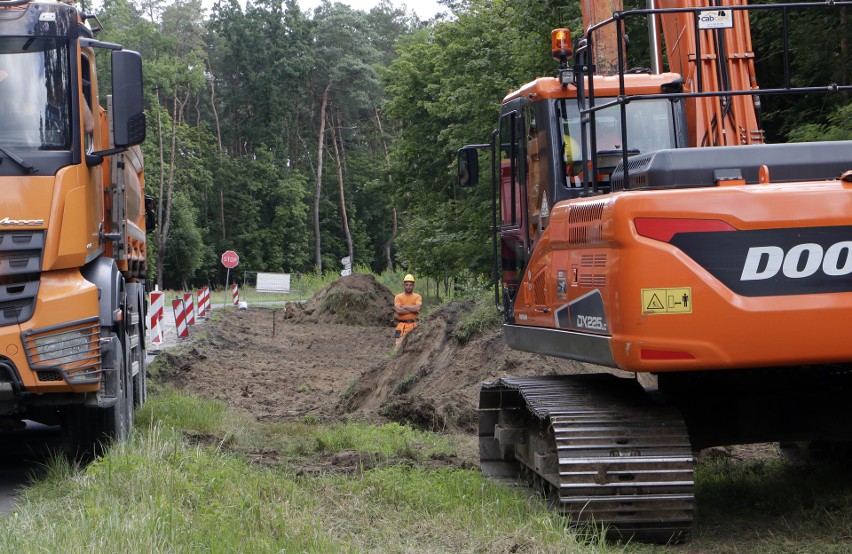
{"points": [[234, 109]]}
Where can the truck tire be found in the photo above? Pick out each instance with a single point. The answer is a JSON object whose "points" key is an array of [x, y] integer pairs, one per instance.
{"points": [[114, 421], [130, 383], [80, 428], [140, 380]]}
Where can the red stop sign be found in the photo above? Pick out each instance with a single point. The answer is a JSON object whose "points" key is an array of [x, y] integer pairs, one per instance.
{"points": [[230, 259]]}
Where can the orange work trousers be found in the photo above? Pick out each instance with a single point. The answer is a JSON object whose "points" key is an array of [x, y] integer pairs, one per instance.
{"points": [[402, 329]]}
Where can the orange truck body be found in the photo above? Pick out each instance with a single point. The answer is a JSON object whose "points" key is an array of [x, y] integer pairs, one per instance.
{"points": [[72, 222]]}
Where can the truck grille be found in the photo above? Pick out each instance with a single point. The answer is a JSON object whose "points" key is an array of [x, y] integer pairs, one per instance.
{"points": [[21, 252], [17, 302], [48, 376], [20, 263]]}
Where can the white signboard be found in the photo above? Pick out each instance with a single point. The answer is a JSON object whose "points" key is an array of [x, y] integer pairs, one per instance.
{"points": [[715, 19], [345, 272], [273, 282]]}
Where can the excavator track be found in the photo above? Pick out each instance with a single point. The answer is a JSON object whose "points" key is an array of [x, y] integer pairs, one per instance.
{"points": [[606, 453]]}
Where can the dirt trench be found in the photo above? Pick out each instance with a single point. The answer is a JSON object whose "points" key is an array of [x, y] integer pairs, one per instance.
{"points": [[333, 357]]}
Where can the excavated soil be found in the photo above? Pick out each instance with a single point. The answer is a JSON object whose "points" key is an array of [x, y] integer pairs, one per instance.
{"points": [[333, 357], [284, 364]]}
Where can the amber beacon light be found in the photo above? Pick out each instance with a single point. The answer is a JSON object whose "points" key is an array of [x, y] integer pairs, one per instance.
{"points": [[560, 44]]}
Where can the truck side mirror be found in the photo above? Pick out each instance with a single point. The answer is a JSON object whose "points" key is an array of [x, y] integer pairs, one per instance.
{"points": [[127, 98], [150, 214], [468, 165]]}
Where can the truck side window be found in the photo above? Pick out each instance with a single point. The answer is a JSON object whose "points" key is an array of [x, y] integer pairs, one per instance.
{"points": [[86, 105]]}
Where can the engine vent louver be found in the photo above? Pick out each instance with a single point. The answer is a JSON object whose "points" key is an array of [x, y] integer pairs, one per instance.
{"points": [[636, 166], [584, 223], [592, 280], [540, 289], [593, 260]]}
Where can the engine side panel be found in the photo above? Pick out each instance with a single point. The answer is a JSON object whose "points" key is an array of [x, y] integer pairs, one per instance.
{"points": [[717, 278]]}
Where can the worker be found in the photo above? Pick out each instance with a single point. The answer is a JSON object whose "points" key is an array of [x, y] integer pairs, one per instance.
{"points": [[407, 306], [573, 156]]}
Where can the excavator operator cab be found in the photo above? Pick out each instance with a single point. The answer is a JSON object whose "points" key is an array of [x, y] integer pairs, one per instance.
{"points": [[651, 125]]}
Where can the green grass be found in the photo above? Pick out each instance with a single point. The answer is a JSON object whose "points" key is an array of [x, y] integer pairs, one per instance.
{"points": [[197, 477], [165, 491], [484, 316], [291, 440], [774, 506]]}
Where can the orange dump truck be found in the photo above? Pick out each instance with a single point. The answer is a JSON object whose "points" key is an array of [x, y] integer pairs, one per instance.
{"points": [[72, 226]]}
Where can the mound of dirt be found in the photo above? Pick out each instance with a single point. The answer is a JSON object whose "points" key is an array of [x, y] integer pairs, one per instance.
{"points": [[356, 299], [433, 380]]}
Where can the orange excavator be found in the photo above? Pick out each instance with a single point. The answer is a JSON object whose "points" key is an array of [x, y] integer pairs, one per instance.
{"points": [[73, 222], [643, 226]]}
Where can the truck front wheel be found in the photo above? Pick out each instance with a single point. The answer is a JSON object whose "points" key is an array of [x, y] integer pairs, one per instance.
{"points": [[115, 420]]}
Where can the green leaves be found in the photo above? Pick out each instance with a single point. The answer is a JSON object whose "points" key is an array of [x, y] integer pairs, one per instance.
{"points": [[445, 88], [240, 94]]}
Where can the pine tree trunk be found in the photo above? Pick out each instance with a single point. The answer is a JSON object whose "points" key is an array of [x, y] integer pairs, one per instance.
{"points": [[392, 237], [215, 111], [389, 243], [844, 48], [344, 219], [170, 185], [318, 193], [160, 201]]}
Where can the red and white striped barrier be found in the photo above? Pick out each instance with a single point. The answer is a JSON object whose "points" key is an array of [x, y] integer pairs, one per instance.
{"points": [[235, 292], [180, 318], [208, 303], [155, 317], [189, 308], [203, 297]]}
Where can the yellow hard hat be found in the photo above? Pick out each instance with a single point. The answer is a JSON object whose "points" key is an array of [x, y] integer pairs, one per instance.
{"points": [[408, 278]]}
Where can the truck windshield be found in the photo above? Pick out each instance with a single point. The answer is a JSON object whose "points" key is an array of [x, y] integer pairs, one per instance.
{"points": [[35, 93], [650, 127]]}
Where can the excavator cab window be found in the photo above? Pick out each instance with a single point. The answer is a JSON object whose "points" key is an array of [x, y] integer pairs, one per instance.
{"points": [[650, 127], [514, 242], [536, 185]]}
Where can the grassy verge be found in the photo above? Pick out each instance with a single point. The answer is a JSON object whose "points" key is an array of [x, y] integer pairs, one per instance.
{"points": [[186, 482], [197, 477], [773, 506], [482, 317]]}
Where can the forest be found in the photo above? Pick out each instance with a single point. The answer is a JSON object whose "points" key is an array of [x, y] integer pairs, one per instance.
{"points": [[299, 137]]}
